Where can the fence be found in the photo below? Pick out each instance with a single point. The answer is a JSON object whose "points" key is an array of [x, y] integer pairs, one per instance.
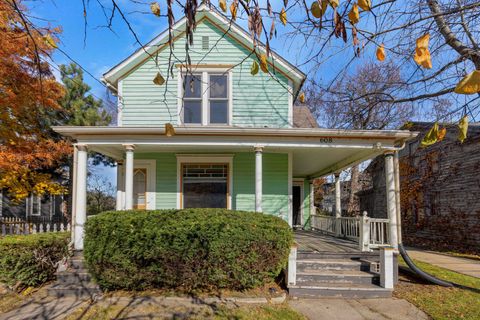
{"points": [[10, 226], [368, 232]]}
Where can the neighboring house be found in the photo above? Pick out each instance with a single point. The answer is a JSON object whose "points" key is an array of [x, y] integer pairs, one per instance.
{"points": [[47, 208], [440, 185], [236, 143]]}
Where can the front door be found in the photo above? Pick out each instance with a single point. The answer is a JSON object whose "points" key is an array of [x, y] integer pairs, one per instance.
{"points": [[140, 188], [297, 206]]}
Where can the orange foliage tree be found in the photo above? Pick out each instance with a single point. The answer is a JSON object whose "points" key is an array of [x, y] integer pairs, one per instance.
{"points": [[30, 152]]}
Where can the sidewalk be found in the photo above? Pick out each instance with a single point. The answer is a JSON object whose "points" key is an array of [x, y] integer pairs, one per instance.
{"points": [[357, 309], [465, 266]]}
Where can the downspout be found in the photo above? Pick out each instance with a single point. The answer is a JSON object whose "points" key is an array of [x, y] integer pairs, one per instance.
{"points": [[419, 272]]}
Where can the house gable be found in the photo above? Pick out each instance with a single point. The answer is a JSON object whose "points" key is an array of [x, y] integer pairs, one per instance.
{"points": [[263, 100]]}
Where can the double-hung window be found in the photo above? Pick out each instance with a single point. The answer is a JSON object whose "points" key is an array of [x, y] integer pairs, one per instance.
{"points": [[206, 98]]}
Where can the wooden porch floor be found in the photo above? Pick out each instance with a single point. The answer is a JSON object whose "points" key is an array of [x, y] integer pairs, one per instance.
{"points": [[314, 241]]}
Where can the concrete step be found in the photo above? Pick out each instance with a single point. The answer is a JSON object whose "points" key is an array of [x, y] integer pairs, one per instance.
{"points": [[340, 291], [304, 255], [332, 264], [89, 290], [319, 277], [77, 263], [73, 276]]}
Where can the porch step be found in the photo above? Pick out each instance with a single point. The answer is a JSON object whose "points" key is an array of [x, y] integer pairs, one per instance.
{"points": [[89, 290], [75, 281], [317, 277], [330, 274], [339, 290], [332, 264], [309, 255]]}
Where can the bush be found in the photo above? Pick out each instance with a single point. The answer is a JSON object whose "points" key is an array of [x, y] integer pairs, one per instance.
{"points": [[187, 250], [29, 260]]}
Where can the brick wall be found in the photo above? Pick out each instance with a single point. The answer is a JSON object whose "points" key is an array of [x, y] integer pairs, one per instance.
{"points": [[440, 191]]}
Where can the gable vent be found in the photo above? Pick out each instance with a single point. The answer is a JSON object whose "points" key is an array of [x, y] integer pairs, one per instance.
{"points": [[205, 43]]}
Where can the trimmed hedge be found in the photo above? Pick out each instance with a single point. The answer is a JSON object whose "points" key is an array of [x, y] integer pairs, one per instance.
{"points": [[29, 260], [187, 250]]}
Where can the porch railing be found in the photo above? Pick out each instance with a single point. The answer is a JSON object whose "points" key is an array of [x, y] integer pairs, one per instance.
{"points": [[368, 232], [10, 226]]}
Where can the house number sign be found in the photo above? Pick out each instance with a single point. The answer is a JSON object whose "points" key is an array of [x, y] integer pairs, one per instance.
{"points": [[326, 140]]}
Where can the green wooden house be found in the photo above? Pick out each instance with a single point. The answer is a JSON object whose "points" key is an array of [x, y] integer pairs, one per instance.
{"points": [[234, 143]]}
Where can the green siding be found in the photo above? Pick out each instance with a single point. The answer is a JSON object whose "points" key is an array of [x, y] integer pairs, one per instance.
{"points": [[166, 178], [258, 101], [275, 181]]}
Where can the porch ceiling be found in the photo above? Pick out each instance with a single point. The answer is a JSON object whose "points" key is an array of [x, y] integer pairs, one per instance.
{"points": [[314, 152]]}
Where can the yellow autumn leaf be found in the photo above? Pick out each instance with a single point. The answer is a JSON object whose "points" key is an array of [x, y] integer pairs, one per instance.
{"points": [[380, 53], [159, 79], [470, 84], [169, 130], [254, 68], [431, 137], [422, 54], [334, 3], [50, 41], [318, 12], [365, 4], [155, 8], [233, 10], [301, 97], [283, 17], [463, 128], [354, 15], [263, 63], [441, 134], [223, 5]]}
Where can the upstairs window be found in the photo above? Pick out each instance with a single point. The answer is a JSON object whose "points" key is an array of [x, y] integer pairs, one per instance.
{"points": [[206, 99]]}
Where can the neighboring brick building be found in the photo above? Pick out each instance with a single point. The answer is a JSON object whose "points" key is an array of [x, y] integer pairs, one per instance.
{"points": [[440, 190]]}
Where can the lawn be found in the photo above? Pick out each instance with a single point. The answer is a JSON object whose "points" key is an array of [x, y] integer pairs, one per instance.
{"points": [[440, 302], [164, 308]]}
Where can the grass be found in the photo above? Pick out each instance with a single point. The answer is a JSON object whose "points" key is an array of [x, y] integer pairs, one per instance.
{"points": [[440, 302], [10, 300], [164, 309]]}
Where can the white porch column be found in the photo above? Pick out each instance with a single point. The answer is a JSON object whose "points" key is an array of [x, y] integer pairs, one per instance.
{"points": [[396, 163], [338, 204], [258, 178], [129, 176], [120, 186], [81, 196], [74, 190], [391, 199], [312, 197]]}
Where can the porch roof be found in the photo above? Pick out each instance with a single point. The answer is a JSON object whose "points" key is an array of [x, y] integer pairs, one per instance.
{"points": [[315, 151]]}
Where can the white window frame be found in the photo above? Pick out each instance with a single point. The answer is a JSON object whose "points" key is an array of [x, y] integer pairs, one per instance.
{"points": [[204, 158], [205, 72]]}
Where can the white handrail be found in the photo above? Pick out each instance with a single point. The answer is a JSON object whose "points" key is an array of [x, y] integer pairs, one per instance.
{"points": [[369, 232]]}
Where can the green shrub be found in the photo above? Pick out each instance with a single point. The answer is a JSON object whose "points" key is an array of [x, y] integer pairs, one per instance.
{"points": [[29, 260], [188, 250]]}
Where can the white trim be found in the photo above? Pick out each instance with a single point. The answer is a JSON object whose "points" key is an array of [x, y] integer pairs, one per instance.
{"points": [[202, 11], [206, 72], [205, 158], [230, 97], [290, 197], [290, 103], [205, 93], [120, 103], [299, 182], [150, 165]]}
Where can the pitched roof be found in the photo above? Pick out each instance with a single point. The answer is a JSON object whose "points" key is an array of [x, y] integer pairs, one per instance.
{"points": [[303, 118], [236, 32]]}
